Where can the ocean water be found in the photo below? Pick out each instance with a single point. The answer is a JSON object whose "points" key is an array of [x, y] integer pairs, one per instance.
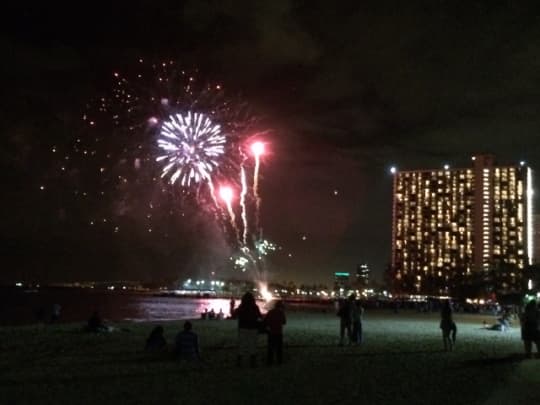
{"points": [[19, 306]]}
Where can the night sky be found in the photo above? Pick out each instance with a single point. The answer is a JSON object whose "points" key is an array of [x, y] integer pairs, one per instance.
{"points": [[345, 90]]}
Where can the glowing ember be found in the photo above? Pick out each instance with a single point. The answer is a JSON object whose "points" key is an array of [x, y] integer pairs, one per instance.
{"points": [[226, 194], [265, 294], [257, 148]]}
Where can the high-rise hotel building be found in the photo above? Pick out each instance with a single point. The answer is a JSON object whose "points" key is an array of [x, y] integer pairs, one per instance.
{"points": [[448, 223]]}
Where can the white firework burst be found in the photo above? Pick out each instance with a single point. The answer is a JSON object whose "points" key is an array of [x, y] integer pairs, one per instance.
{"points": [[193, 146]]}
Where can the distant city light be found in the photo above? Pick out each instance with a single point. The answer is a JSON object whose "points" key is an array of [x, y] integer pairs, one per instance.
{"points": [[409, 233], [522, 163], [393, 170]]}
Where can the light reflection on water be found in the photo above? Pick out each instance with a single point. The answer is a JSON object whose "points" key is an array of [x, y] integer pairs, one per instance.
{"points": [[170, 308], [18, 307]]}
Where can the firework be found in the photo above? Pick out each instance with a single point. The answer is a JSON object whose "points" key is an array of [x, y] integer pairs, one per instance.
{"points": [[243, 194], [264, 247], [176, 145], [264, 292], [257, 148], [226, 193], [161, 110], [193, 145]]}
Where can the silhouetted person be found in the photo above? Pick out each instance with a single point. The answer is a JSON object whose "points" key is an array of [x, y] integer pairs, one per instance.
{"points": [[529, 328], [503, 323], [232, 305], [204, 314], [356, 317], [220, 315], [396, 306], [212, 314], [448, 327], [55, 314], [40, 314], [345, 320], [187, 343], [95, 323], [156, 341], [249, 317], [274, 320]]}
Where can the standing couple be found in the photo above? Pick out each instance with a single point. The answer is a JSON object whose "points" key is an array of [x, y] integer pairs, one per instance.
{"points": [[350, 314], [251, 323]]}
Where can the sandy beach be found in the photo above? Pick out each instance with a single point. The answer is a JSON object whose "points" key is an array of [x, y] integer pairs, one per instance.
{"points": [[401, 361]]}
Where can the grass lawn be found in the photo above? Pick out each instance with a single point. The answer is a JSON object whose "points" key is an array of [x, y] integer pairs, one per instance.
{"points": [[400, 362]]}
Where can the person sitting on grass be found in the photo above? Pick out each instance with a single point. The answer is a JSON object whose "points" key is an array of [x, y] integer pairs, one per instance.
{"points": [[156, 341], [187, 343], [95, 324], [505, 321], [502, 325]]}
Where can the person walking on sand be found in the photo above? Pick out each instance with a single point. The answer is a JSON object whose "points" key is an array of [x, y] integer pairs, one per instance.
{"points": [[448, 327], [274, 320], [249, 317], [529, 328]]}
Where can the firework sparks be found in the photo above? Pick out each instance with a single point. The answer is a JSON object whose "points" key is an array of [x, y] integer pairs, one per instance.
{"points": [[243, 203], [265, 293], [193, 145], [241, 262], [195, 134], [264, 247], [226, 193], [257, 148], [213, 192]]}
